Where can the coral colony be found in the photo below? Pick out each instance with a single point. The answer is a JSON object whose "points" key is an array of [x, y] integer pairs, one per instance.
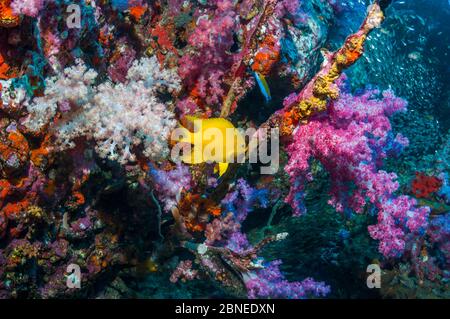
{"points": [[220, 149]]}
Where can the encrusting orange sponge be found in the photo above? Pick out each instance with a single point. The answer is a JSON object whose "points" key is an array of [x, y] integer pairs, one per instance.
{"points": [[7, 17]]}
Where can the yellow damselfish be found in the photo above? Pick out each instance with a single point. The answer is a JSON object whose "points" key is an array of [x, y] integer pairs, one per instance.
{"points": [[213, 140]]}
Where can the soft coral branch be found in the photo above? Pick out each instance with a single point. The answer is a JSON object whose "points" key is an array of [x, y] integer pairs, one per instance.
{"points": [[314, 97]]}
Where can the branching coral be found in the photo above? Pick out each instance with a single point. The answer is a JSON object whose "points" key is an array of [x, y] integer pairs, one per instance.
{"points": [[71, 89], [119, 118]]}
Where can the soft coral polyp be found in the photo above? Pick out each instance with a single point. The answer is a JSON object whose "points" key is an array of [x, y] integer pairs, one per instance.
{"points": [[424, 186]]}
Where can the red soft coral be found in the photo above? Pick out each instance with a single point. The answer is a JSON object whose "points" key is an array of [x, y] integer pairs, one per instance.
{"points": [[423, 186]]}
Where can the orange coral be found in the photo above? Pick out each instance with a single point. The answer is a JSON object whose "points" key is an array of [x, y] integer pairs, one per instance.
{"points": [[50, 187], [353, 49], [194, 94], [163, 37], [39, 156], [137, 12], [19, 142], [5, 190], [215, 211], [7, 17], [3, 68], [6, 72], [105, 38], [14, 209], [164, 42], [15, 158], [14, 152], [196, 210]]}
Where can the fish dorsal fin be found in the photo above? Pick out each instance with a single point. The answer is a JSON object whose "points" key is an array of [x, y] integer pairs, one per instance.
{"points": [[221, 168]]}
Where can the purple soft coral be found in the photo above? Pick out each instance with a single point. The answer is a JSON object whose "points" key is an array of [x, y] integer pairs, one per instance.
{"points": [[270, 283], [262, 281], [243, 200], [170, 184]]}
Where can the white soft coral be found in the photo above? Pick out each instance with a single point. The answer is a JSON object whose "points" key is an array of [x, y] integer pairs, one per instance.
{"points": [[120, 118], [73, 87]]}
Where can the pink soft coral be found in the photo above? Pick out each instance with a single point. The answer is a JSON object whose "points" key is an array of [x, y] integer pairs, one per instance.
{"points": [[204, 70], [29, 8], [351, 142], [184, 272]]}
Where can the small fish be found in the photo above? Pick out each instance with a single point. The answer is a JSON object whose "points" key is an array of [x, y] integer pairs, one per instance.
{"points": [[146, 266], [212, 140], [422, 20], [151, 265], [263, 86], [415, 56]]}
